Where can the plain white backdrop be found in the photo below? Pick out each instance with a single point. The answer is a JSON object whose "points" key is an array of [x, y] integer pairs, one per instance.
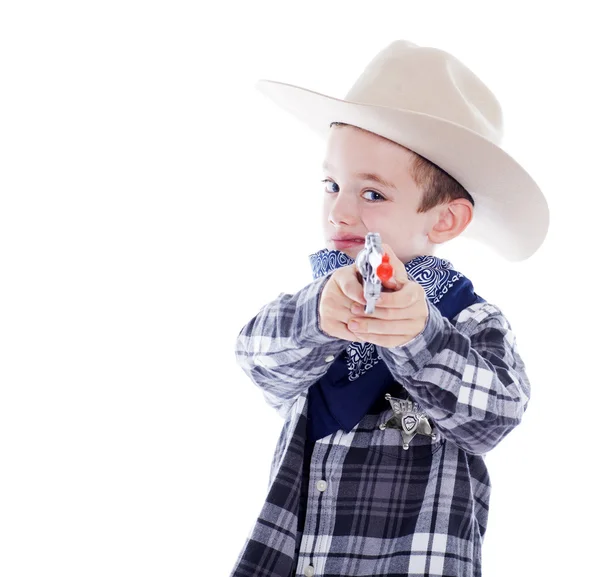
{"points": [[151, 201]]}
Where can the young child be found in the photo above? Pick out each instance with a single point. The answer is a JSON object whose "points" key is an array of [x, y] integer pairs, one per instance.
{"points": [[379, 469]]}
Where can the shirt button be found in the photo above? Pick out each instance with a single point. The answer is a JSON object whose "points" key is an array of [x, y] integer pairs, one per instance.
{"points": [[329, 358], [321, 485], [309, 571]]}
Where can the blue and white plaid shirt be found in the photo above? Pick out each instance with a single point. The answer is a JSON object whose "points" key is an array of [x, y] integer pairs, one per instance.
{"points": [[373, 508]]}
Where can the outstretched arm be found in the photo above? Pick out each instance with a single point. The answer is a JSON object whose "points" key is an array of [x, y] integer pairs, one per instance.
{"points": [[469, 379], [283, 349]]}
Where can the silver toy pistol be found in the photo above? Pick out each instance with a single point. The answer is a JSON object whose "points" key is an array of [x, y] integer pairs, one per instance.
{"points": [[374, 266]]}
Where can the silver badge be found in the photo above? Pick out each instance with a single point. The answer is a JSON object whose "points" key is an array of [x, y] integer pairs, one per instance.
{"points": [[409, 418]]}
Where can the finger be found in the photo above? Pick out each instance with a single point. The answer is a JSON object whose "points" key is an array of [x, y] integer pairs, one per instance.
{"points": [[340, 330], [379, 327], [348, 335], [351, 286], [400, 274], [387, 341], [339, 309], [346, 287], [409, 294], [391, 284], [382, 313]]}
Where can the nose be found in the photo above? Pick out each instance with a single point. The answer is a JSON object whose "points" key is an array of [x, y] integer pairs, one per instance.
{"points": [[343, 211]]}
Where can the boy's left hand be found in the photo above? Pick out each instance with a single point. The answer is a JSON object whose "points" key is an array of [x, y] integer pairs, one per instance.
{"points": [[399, 315]]}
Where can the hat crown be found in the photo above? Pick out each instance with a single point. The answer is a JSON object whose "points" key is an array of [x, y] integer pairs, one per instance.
{"points": [[429, 81]]}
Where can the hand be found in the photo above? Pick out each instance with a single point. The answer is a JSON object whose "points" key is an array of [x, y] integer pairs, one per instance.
{"points": [[342, 290], [399, 316]]}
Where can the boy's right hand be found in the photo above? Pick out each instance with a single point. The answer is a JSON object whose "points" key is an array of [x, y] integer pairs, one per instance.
{"points": [[343, 289]]}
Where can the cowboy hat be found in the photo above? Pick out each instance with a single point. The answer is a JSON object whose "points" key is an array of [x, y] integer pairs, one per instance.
{"points": [[428, 101]]}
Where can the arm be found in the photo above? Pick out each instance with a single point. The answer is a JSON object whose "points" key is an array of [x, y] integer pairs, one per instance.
{"points": [[283, 349], [470, 379]]}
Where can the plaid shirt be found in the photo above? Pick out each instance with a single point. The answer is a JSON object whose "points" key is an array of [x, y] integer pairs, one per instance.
{"points": [[373, 508]]}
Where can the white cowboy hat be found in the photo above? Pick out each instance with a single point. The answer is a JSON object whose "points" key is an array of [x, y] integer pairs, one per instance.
{"points": [[428, 101]]}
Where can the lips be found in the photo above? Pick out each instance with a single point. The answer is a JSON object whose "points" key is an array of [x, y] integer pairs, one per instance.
{"points": [[347, 242], [348, 237]]}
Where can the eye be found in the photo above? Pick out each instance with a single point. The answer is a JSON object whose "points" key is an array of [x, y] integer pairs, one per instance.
{"points": [[378, 197], [374, 199], [333, 183]]}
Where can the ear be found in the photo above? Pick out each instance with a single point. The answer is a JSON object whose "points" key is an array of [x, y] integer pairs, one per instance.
{"points": [[453, 217]]}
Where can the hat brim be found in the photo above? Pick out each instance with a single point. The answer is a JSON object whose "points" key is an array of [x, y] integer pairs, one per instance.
{"points": [[511, 214]]}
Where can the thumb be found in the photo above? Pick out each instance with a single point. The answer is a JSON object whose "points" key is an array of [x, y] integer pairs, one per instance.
{"points": [[391, 283], [399, 276]]}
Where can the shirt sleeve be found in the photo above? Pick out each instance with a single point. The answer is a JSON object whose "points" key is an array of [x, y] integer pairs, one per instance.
{"points": [[469, 379], [283, 348]]}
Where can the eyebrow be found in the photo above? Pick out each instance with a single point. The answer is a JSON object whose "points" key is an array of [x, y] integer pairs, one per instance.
{"points": [[371, 176]]}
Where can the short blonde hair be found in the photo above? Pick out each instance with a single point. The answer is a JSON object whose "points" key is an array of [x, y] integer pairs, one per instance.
{"points": [[437, 185]]}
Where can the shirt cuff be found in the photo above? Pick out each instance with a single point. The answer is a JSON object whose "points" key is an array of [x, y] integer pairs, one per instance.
{"points": [[411, 357], [310, 332]]}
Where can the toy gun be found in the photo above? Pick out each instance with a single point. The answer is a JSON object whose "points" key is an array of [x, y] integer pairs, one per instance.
{"points": [[374, 266]]}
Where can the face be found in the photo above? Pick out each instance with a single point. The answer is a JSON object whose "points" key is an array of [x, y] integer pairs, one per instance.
{"points": [[368, 188]]}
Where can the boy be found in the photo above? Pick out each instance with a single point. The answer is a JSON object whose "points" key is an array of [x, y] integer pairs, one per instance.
{"points": [[379, 469]]}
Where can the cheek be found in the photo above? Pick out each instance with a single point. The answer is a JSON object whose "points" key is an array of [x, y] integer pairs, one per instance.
{"points": [[383, 218], [394, 224]]}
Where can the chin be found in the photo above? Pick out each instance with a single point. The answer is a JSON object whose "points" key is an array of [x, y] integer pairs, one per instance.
{"points": [[352, 252]]}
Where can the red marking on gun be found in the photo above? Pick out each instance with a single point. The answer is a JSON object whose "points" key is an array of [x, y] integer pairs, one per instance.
{"points": [[385, 270]]}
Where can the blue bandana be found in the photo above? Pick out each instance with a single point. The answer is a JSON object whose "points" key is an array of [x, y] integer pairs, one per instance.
{"points": [[358, 377]]}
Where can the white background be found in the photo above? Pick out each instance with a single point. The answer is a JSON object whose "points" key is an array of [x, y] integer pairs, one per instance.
{"points": [[151, 200]]}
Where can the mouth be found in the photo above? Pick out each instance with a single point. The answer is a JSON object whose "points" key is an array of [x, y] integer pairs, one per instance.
{"points": [[342, 243]]}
